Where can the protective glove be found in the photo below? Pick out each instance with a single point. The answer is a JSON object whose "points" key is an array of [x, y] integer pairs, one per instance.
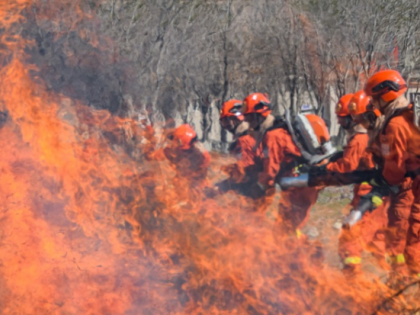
{"points": [[321, 169], [336, 156], [380, 185], [300, 169], [378, 181]]}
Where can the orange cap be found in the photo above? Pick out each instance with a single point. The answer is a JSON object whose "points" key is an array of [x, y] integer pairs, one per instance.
{"points": [[387, 84], [342, 107], [257, 103]]}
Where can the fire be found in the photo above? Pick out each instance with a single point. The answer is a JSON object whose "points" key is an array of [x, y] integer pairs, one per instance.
{"points": [[85, 229]]}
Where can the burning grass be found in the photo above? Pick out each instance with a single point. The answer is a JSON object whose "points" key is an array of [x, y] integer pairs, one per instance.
{"points": [[86, 229]]}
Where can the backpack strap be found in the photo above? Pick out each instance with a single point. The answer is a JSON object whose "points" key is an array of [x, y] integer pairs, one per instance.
{"points": [[233, 146], [279, 123], [305, 154], [244, 133]]}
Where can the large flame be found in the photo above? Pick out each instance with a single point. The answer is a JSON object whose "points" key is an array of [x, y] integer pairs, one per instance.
{"points": [[85, 229]]}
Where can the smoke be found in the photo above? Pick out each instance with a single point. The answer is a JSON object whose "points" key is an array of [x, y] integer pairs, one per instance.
{"points": [[87, 229]]}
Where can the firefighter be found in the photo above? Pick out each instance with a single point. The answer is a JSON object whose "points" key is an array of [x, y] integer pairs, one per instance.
{"points": [[279, 156], [397, 140], [188, 156], [243, 173], [370, 230], [357, 139]]}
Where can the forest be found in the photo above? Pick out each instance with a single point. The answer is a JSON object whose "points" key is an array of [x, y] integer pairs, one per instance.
{"points": [[178, 60]]}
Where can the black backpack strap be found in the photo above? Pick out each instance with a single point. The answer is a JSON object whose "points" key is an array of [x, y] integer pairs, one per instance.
{"points": [[233, 146], [279, 123], [244, 133], [336, 156]]}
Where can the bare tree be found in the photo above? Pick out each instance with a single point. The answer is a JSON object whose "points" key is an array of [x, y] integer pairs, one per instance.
{"points": [[185, 57]]}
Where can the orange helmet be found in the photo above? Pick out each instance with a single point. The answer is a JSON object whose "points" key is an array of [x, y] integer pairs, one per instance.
{"points": [[232, 108], [387, 84], [184, 136], [361, 106], [342, 107], [257, 103], [359, 103]]}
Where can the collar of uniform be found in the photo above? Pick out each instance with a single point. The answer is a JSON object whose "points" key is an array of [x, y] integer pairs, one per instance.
{"points": [[241, 129], [267, 124], [398, 103], [354, 131], [390, 109], [374, 132], [359, 129]]}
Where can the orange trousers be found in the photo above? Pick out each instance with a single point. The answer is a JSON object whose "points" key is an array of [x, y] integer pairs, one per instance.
{"points": [[294, 208], [398, 224], [413, 236], [368, 234], [370, 231]]}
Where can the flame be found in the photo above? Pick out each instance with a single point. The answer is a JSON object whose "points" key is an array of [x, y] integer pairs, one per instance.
{"points": [[86, 229]]}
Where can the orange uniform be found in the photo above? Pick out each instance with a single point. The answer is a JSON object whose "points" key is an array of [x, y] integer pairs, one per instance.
{"points": [[243, 150], [401, 151], [191, 164], [242, 174], [247, 157], [353, 152], [280, 155], [370, 230], [398, 141], [398, 213], [400, 147]]}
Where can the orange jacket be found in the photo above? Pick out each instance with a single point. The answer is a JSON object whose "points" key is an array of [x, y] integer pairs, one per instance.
{"points": [[278, 151], [192, 163], [353, 153], [244, 151], [400, 147], [355, 157]]}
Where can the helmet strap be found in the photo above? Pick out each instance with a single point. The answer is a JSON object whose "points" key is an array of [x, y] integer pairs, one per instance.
{"points": [[257, 120]]}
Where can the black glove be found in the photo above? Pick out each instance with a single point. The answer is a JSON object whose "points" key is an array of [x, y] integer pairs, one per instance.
{"points": [[378, 181], [301, 169], [322, 169], [336, 156], [380, 185]]}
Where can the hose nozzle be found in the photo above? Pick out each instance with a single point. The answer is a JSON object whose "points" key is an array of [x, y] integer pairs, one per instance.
{"points": [[300, 181], [354, 217]]}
